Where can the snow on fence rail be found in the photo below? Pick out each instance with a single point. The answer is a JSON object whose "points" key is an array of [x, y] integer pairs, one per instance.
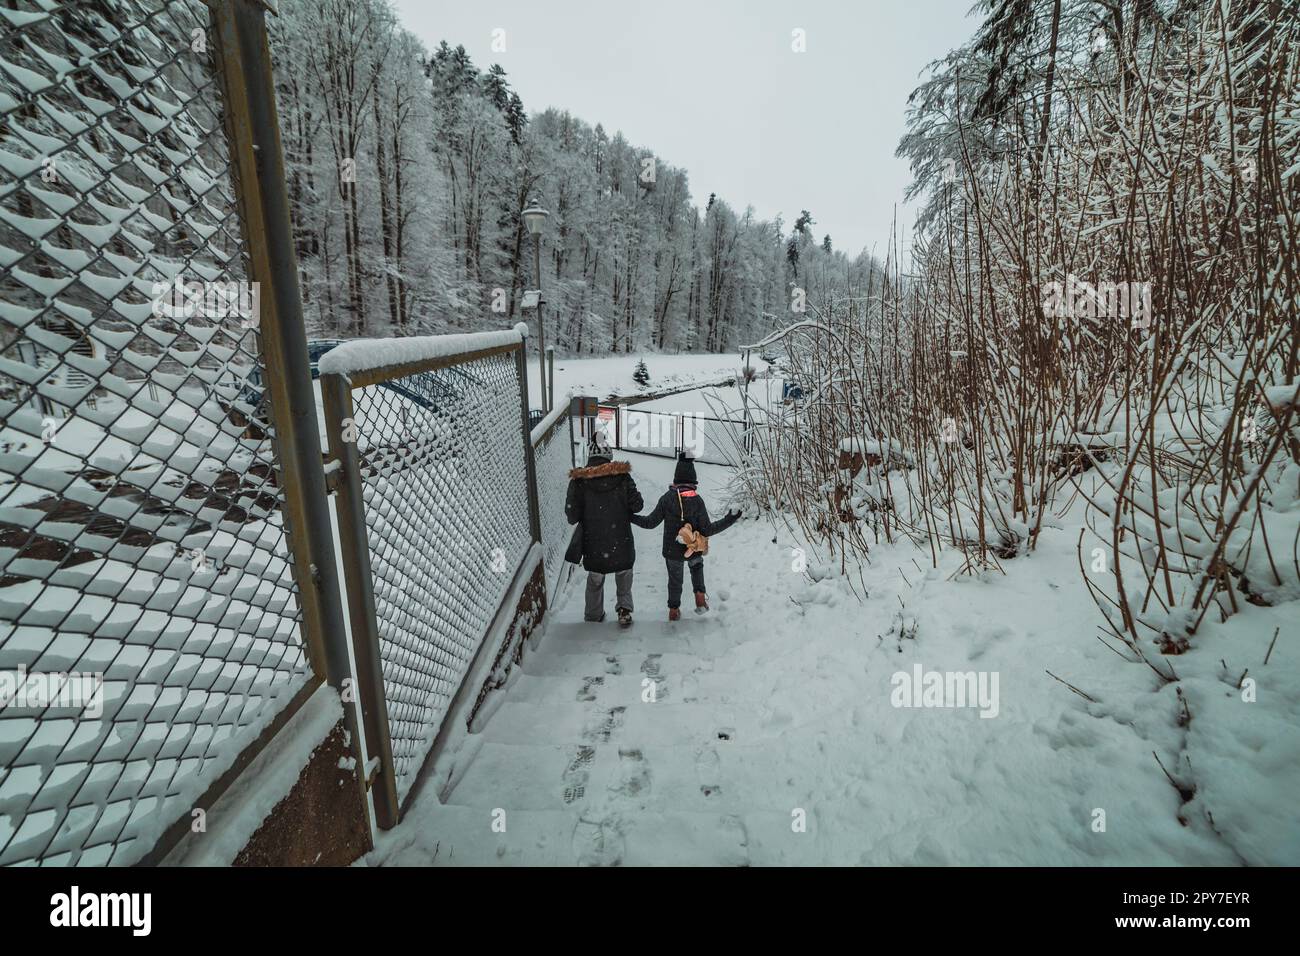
{"points": [[142, 533], [437, 512]]}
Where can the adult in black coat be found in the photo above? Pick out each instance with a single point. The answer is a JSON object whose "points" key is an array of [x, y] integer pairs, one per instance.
{"points": [[602, 497]]}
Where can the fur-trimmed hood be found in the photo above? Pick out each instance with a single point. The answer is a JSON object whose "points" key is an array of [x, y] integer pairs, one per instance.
{"points": [[600, 471]]}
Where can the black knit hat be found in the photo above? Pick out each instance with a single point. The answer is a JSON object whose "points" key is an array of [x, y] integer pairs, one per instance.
{"points": [[684, 473]]}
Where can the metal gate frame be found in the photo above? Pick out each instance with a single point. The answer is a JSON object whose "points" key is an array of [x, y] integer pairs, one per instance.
{"points": [[346, 481], [679, 431]]}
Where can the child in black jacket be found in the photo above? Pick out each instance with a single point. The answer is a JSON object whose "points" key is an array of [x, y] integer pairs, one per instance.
{"points": [[680, 505]]}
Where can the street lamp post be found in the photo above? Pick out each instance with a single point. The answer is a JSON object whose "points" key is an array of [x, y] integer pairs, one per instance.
{"points": [[534, 218]]}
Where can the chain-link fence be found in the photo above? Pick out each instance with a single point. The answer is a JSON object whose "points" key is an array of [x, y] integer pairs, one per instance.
{"points": [[149, 617], [167, 572], [436, 516]]}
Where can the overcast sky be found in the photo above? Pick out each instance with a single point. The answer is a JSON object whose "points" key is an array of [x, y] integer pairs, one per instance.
{"points": [[714, 87]]}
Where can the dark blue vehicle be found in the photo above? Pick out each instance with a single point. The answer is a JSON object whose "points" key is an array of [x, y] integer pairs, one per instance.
{"points": [[253, 387]]}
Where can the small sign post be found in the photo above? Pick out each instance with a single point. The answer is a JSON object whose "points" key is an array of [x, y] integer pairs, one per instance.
{"points": [[584, 408]]}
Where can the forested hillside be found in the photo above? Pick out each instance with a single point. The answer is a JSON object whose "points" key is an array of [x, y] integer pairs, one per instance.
{"points": [[409, 168]]}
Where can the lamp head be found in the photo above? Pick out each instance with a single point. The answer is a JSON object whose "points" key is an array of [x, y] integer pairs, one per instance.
{"points": [[534, 217]]}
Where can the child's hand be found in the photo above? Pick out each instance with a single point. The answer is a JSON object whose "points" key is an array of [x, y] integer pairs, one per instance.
{"points": [[733, 511]]}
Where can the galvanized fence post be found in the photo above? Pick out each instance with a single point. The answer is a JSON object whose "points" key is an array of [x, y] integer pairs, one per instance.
{"points": [[550, 378], [355, 548], [243, 61], [534, 508], [573, 451]]}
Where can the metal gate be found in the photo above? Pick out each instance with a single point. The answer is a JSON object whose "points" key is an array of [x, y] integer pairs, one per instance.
{"points": [[438, 509], [719, 441]]}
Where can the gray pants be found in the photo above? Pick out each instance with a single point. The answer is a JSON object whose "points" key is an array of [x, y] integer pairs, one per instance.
{"points": [[696, 563], [595, 610]]}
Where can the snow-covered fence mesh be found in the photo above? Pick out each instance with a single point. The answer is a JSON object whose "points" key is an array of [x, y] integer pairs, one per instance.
{"points": [[553, 458], [435, 521], [149, 621]]}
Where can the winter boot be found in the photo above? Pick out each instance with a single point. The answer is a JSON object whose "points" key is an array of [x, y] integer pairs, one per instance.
{"points": [[624, 617], [674, 614], [701, 602]]}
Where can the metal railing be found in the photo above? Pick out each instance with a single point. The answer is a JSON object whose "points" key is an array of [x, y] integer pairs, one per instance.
{"points": [[437, 506], [153, 629]]}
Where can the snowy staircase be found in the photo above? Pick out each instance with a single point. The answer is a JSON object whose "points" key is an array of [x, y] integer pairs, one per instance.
{"points": [[620, 747]]}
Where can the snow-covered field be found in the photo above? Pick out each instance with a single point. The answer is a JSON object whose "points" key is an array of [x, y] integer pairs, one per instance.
{"points": [[767, 731]]}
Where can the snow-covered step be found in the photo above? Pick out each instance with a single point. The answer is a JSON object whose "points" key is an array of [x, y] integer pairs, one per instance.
{"points": [[527, 777], [452, 835], [485, 836], [677, 660], [647, 725], [706, 777], [709, 838], [703, 635], [644, 678]]}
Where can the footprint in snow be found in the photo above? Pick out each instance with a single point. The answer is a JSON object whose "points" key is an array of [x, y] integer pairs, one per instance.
{"points": [[602, 727], [598, 842], [650, 666], [589, 685], [575, 775], [708, 768], [634, 772]]}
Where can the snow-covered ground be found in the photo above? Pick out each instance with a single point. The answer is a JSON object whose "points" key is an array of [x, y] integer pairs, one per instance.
{"points": [[766, 731]]}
